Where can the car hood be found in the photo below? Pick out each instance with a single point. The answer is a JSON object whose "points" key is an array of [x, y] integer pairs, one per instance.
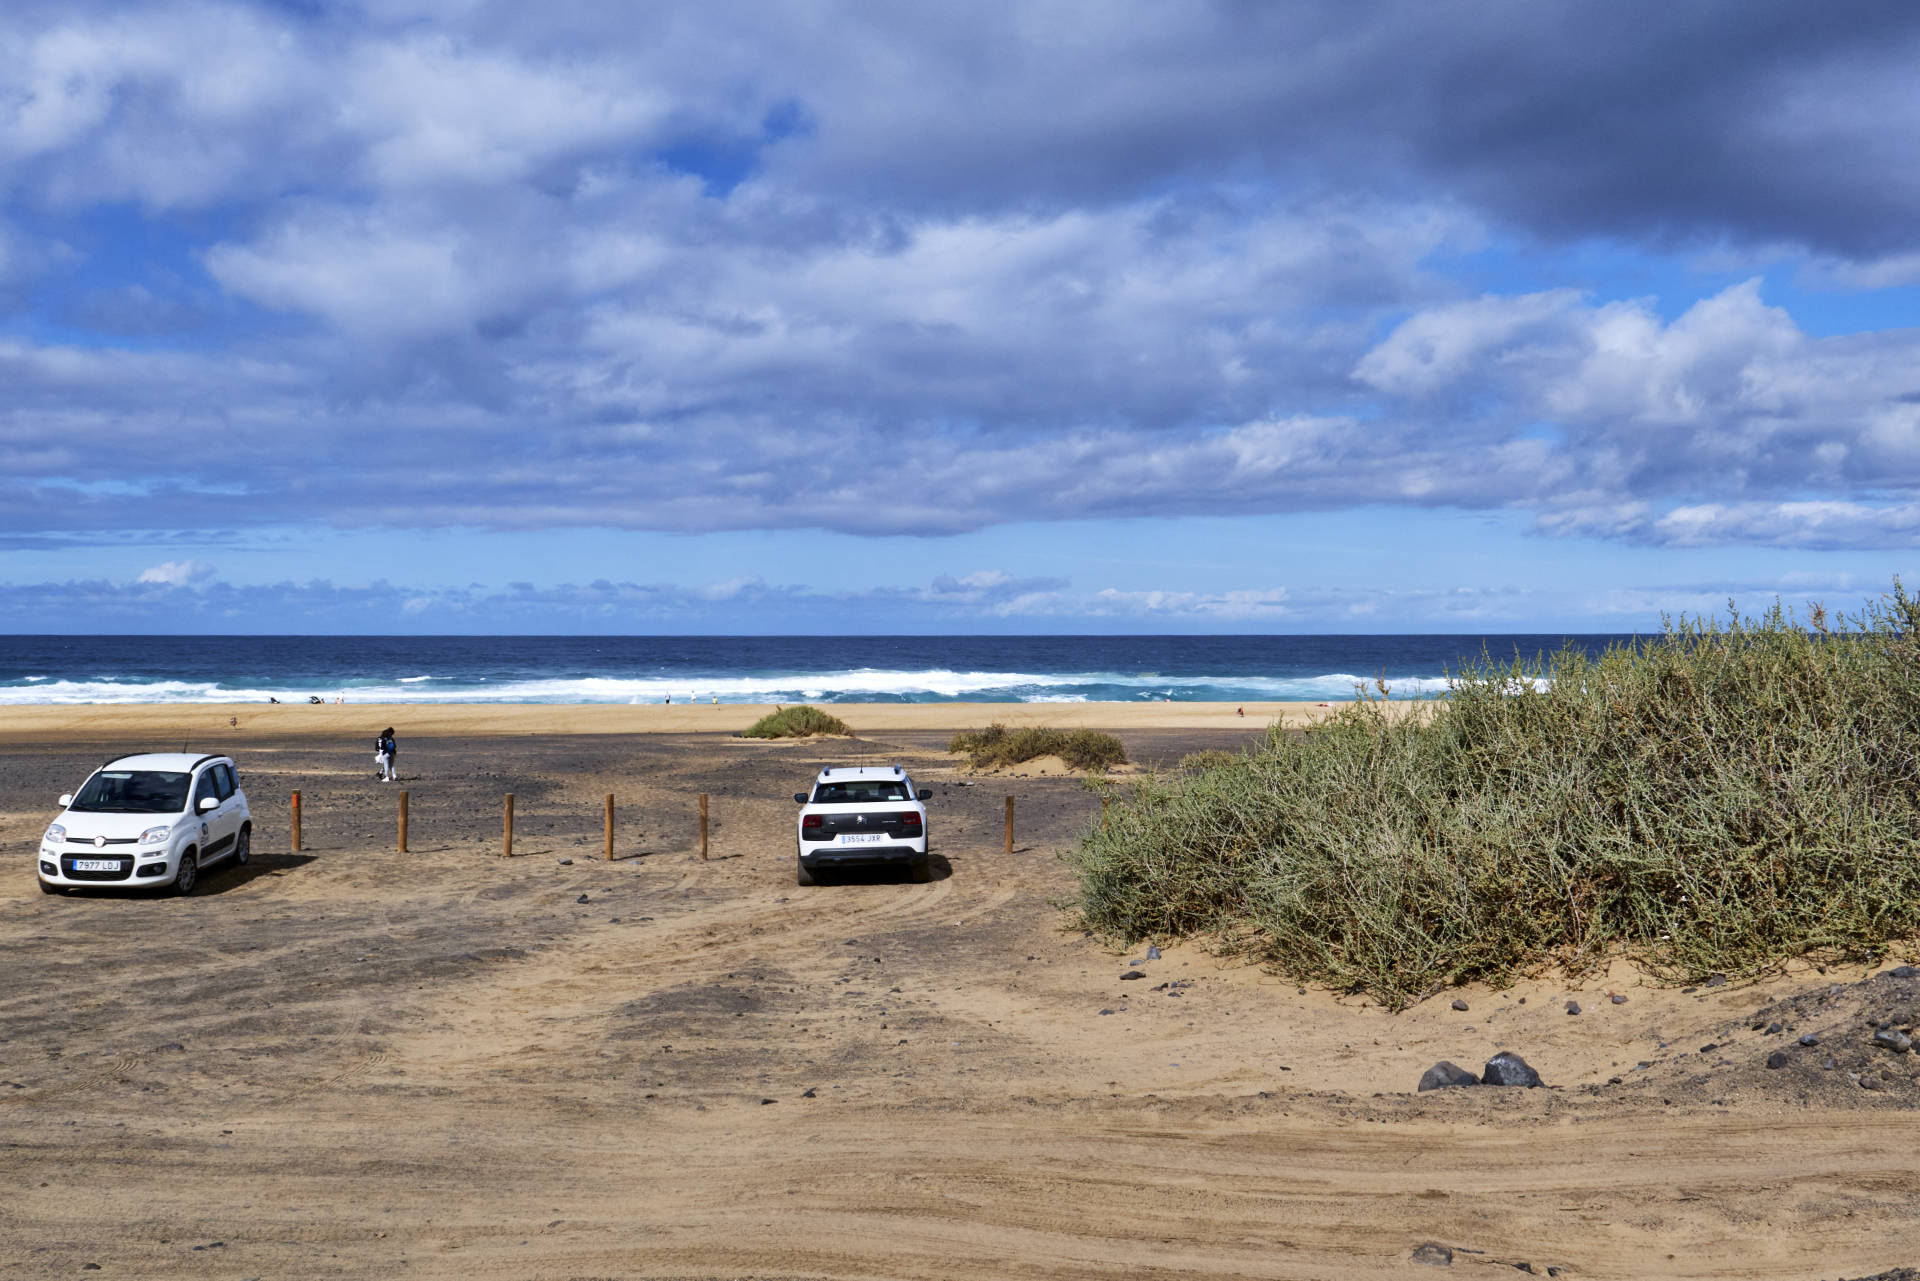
{"points": [[88, 826]]}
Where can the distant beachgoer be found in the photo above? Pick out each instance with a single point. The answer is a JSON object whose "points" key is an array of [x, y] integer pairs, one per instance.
{"points": [[315, 698], [384, 750], [272, 699], [234, 721], [716, 700], [669, 700], [1239, 711]]}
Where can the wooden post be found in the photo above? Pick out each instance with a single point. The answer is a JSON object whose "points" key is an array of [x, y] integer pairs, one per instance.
{"points": [[703, 825], [1009, 825], [1104, 802], [403, 822], [296, 822], [609, 827], [506, 844]]}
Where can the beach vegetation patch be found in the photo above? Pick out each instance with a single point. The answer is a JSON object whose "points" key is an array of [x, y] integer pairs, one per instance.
{"points": [[1721, 797], [796, 722], [997, 746]]}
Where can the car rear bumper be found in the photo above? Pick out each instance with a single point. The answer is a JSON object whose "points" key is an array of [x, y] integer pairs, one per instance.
{"points": [[861, 855]]}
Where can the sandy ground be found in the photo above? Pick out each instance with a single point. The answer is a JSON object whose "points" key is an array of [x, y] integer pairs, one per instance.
{"points": [[351, 1062]]}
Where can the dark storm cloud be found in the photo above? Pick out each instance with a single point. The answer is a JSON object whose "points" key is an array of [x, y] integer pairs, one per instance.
{"points": [[924, 269]]}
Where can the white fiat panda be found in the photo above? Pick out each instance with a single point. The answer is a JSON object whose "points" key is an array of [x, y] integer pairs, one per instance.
{"points": [[154, 819], [859, 816]]}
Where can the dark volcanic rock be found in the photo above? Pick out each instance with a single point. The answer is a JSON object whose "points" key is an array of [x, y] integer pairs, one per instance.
{"points": [[1617, 999], [1573, 1007], [1888, 1039], [1715, 980], [1133, 974], [1779, 1059], [1433, 1254], [1445, 1075], [1899, 972], [1508, 1068], [1459, 1004]]}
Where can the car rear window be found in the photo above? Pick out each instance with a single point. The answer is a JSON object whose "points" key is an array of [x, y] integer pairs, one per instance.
{"points": [[137, 791], [865, 791]]}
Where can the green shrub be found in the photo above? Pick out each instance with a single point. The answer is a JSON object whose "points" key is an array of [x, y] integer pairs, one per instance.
{"points": [[997, 745], [1722, 797], [1210, 758], [795, 722]]}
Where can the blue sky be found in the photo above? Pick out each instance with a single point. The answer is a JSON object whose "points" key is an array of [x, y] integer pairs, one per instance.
{"points": [[418, 316]]}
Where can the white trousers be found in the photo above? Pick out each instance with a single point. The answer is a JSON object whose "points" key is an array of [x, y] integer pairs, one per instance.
{"points": [[385, 762]]}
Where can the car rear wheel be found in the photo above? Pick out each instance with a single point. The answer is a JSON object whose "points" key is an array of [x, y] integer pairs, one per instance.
{"points": [[187, 877], [801, 875], [243, 846], [920, 870]]}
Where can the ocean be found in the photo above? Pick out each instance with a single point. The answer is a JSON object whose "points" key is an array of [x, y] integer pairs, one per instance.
{"points": [[741, 669]]}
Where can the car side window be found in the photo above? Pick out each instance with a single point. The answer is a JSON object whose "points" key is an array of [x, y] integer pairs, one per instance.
{"points": [[223, 779], [208, 786]]}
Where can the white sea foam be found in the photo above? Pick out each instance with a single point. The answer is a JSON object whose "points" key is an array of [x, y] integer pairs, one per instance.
{"points": [[855, 685]]}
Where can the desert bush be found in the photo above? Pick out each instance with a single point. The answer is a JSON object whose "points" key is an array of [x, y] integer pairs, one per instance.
{"points": [[1720, 797], [795, 722], [997, 745], [1208, 758]]}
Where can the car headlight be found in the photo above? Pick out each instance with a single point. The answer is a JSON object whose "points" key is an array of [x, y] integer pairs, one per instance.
{"points": [[156, 835], [55, 834]]}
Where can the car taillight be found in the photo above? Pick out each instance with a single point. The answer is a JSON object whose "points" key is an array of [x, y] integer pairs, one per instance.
{"points": [[910, 819], [811, 820]]}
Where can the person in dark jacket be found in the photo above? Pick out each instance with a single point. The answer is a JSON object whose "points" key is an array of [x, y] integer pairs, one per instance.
{"points": [[384, 750]]}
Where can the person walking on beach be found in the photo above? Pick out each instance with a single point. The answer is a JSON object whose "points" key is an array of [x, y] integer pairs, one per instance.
{"points": [[384, 750]]}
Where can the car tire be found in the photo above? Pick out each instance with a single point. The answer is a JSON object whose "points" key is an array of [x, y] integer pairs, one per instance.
{"points": [[49, 888], [920, 871], [243, 845], [187, 876], [801, 876]]}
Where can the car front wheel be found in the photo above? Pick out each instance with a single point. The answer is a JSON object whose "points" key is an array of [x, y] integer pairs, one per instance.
{"points": [[48, 888], [188, 876]]}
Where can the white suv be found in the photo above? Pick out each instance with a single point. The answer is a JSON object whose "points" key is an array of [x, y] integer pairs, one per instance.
{"points": [[859, 817], [148, 820]]}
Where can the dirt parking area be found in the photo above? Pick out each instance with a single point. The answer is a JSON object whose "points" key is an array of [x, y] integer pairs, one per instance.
{"points": [[352, 1062]]}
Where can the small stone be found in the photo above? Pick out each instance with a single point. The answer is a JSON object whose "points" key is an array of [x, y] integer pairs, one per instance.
{"points": [[1773, 1029], [583, 899], [1433, 1254], [1508, 1068], [1153, 951], [1902, 972], [1106, 1011], [1573, 1007], [1871, 1083], [174, 1047], [764, 1102], [566, 862], [1809, 1039], [1618, 999], [1829, 1065], [1459, 1004], [809, 1092], [1709, 1047], [1715, 980], [1778, 1059], [1444, 1075], [1523, 1000], [1133, 974], [1888, 1039]]}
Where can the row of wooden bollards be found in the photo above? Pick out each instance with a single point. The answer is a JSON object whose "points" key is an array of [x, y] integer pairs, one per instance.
{"points": [[506, 832]]}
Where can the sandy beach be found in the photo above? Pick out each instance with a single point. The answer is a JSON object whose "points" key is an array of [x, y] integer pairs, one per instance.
{"points": [[351, 1062]]}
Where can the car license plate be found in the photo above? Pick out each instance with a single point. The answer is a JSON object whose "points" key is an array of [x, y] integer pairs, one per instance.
{"points": [[96, 865], [862, 838]]}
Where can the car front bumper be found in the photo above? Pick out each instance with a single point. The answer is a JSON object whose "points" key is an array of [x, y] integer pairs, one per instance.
{"points": [[56, 867]]}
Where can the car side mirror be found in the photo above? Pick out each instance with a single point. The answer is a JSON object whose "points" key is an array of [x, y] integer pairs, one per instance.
{"points": [[926, 793], [209, 803], [798, 796], [66, 799]]}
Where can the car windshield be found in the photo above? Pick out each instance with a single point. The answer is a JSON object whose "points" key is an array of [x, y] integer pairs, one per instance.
{"points": [[861, 791], [137, 791]]}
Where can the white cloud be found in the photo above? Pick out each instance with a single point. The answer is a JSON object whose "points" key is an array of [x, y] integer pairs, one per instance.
{"points": [[177, 573]]}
